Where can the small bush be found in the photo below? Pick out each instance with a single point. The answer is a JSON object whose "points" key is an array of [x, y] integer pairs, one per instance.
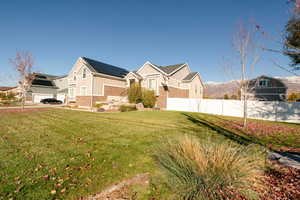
{"points": [[209, 171], [148, 98], [126, 108], [135, 93], [99, 105]]}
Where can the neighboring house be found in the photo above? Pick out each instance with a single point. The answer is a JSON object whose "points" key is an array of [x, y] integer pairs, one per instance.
{"points": [[172, 81], [266, 88], [47, 86], [9, 90], [91, 82]]}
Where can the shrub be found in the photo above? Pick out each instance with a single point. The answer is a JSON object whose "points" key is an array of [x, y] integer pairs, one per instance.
{"points": [[99, 105], [205, 170], [148, 98], [126, 108], [134, 93], [293, 97]]}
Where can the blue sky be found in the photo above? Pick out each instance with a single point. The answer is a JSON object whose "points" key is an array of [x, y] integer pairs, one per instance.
{"points": [[129, 33]]}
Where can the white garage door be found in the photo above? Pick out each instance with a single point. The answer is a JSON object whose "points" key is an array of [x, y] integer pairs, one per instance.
{"points": [[38, 97], [61, 97]]}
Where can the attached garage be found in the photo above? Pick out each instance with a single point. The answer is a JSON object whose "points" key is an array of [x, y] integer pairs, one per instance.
{"points": [[61, 97], [38, 97]]}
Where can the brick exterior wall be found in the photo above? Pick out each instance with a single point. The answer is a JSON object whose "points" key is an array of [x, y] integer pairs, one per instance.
{"points": [[171, 93], [117, 91], [108, 91], [161, 100], [178, 93], [114, 91]]}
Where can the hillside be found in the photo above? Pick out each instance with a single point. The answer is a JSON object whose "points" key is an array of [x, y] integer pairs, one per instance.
{"points": [[218, 90]]}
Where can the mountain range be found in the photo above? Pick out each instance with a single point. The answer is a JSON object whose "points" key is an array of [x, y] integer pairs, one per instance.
{"points": [[218, 89]]}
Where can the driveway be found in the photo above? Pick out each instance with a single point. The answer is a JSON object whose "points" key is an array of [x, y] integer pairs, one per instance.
{"points": [[33, 106]]}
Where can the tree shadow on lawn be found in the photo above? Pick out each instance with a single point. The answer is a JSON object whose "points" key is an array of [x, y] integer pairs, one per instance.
{"points": [[240, 139]]}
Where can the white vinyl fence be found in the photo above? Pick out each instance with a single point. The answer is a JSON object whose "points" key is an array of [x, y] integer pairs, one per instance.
{"points": [[267, 110]]}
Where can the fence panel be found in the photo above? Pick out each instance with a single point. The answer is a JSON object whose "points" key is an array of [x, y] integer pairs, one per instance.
{"points": [[267, 110]]}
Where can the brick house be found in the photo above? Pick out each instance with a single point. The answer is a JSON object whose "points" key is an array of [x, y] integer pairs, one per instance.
{"points": [[91, 82]]}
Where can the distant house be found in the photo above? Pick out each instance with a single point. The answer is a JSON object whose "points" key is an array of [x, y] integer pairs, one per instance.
{"points": [[9, 90], [266, 88], [91, 81], [47, 86]]}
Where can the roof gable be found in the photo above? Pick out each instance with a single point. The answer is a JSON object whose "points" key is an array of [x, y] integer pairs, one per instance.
{"points": [[190, 76], [169, 69], [103, 68]]}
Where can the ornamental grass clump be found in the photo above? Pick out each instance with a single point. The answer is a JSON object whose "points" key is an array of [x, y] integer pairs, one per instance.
{"points": [[204, 170]]}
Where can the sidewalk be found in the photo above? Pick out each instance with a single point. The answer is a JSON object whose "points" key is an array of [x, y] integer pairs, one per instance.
{"points": [[286, 159]]}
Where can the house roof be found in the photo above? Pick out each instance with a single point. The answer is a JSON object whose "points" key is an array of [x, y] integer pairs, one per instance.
{"points": [[190, 76], [169, 68], [5, 88], [45, 76], [104, 68], [41, 82], [45, 80]]}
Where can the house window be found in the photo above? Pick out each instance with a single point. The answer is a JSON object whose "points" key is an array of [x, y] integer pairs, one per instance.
{"points": [[131, 82], [74, 78], [84, 73], [152, 84], [83, 91], [71, 93], [196, 89], [263, 83]]}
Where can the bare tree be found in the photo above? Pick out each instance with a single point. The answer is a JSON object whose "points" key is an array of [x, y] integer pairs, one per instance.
{"points": [[247, 54], [23, 63]]}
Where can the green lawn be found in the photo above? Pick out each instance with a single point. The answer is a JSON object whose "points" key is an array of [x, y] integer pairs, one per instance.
{"points": [[79, 153]]}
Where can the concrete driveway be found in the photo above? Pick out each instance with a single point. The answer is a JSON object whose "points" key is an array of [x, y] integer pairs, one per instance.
{"points": [[33, 106]]}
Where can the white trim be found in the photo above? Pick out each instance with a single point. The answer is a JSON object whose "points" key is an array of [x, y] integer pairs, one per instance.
{"points": [[181, 88], [197, 73], [179, 68], [112, 85], [80, 90], [135, 75], [153, 67], [109, 76]]}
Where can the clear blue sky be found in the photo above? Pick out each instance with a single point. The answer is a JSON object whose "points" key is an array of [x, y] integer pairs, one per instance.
{"points": [[129, 33]]}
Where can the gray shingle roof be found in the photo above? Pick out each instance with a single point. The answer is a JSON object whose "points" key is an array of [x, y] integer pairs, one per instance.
{"points": [[169, 68], [104, 68], [44, 76], [190, 76], [44, 80]]}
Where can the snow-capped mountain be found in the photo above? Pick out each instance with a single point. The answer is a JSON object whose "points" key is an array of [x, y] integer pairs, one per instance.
{"points": [[218, 89]]}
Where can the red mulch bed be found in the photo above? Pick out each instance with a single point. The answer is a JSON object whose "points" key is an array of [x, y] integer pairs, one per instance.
{"points": [[19, 110], [283, 183]]}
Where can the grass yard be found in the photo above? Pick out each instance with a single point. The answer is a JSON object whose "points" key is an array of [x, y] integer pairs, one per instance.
{"points": [[63, 154]]}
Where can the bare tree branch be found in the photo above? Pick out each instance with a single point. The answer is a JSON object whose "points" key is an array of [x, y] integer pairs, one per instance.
{"points": [[23, 64], [283, 68]]}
